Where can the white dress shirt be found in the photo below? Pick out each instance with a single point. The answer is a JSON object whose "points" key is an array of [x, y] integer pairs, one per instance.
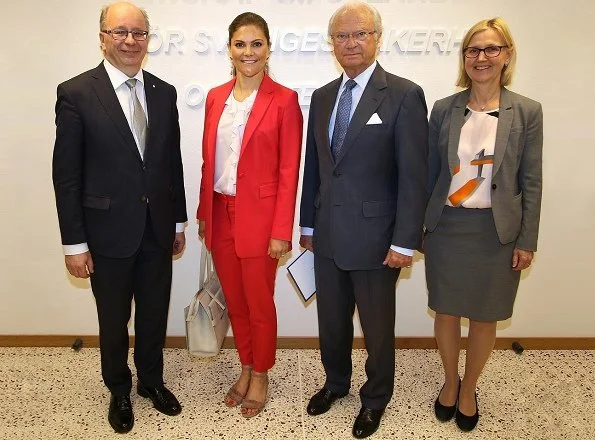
{"points": [[124, 95], [356, 93]]}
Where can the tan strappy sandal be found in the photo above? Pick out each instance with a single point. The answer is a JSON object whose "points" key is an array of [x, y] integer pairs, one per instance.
{"points": [[251, 408], [233, 396]]}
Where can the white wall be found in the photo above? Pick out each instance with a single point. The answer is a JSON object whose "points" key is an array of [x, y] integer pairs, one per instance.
{"points": [[47, 42]]}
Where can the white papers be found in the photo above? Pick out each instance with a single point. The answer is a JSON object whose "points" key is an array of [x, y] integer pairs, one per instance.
{"points": [[301, 271]]}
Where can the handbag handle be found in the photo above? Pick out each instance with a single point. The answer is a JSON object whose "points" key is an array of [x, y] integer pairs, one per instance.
{"points": [[206, 266], [214, 298], [193, 307]]}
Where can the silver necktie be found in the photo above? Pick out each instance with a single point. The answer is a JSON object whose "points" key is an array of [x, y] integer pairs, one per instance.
{"points": [[139, 121]]}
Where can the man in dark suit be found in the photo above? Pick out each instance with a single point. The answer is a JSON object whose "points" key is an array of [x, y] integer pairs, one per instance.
{"points": [[363, 199], [119, 187]]}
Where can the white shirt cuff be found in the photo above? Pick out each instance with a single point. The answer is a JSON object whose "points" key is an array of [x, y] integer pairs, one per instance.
{"points": [[404, 251], [307, 231], [75, 249], [180, 227]]}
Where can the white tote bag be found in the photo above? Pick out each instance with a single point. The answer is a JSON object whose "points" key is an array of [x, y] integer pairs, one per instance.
{"points": [[206, 316]]}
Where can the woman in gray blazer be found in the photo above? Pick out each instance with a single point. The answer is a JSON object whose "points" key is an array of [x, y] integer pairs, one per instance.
{"points": [[482, 216]]}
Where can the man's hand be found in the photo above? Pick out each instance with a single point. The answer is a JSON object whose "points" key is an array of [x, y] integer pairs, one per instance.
{"points": [[307, 242], [521, 259], [278, 248], [202, 225], [179, 243], [395, 259], [79, 265]]}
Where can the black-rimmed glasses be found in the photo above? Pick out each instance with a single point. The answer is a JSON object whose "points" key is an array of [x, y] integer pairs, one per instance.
{"points": [[489, 52], [342, 37], [122, 34]]}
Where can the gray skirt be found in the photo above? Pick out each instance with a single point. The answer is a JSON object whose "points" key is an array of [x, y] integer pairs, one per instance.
{"points": [[468, 271]]}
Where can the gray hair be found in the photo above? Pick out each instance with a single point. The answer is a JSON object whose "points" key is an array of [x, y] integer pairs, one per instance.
{"points": [[354, 4], [105, 9]]}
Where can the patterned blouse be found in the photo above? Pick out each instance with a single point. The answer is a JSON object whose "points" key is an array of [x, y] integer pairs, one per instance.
{"points": [[472, 179]]}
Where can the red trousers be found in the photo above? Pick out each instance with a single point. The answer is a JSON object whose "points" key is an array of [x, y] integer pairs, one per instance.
{"points": [[248, 285]]}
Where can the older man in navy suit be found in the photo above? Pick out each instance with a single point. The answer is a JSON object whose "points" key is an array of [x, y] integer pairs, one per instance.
{"points": [[362, 207], [119, 187]]}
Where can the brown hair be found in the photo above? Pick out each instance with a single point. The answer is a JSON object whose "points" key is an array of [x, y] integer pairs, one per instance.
{"points": [[249, 19]]}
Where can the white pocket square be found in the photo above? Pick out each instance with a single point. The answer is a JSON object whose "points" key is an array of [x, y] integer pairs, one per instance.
{"points": [[374, 119]]}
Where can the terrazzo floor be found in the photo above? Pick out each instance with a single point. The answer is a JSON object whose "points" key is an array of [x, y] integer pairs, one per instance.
{"points": [[56, 393]]}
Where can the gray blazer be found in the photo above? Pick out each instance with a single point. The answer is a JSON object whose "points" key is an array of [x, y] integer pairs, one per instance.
{"points": [[516, 174], [374, 194]]}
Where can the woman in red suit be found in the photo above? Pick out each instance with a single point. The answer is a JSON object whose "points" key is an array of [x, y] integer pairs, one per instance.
{"points": [[251, 156]]}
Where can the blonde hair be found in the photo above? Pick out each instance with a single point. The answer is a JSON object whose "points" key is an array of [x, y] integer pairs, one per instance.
{"points": [[499, 25]]}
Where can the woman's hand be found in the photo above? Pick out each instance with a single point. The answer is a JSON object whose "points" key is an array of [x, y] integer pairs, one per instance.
{"points": [[521, 259], [278, 248], [202, 224]]}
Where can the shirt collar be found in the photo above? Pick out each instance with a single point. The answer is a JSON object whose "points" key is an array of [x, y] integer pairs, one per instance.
{"points": [[363, 78], [117, 77]]}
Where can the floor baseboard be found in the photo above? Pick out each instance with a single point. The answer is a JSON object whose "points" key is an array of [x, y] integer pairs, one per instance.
{"points": [[530, 343]]}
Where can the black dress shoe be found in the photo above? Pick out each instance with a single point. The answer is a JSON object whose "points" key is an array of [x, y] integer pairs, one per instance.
{"points": [[120, 414], [321, 401], [163, 399], [367, 422], [467, 423], [445, 413]]}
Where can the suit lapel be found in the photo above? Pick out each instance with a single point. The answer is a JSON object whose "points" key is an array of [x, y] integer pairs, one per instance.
{"points": [[107, 96], [327, 103], [214, 114], [504, 124], [369, 102], [264, 96], [152, 109], [456, 124]]}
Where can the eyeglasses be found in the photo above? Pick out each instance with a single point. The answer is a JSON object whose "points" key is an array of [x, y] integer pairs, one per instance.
{"points": [[122, 34], [489, 52], [342, 37]]}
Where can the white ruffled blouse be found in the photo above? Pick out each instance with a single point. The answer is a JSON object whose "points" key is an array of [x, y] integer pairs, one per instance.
{"points": [[230, 133]]}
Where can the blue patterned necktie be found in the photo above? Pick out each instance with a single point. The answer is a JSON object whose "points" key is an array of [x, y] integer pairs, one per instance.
{"points": [[342, 118]]}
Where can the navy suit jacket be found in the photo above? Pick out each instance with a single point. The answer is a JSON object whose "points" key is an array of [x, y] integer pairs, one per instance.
{"points": [[374, 193]]}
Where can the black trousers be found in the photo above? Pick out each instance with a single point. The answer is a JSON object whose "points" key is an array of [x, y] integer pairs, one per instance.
{"points": [[337, 293], [146, 278]]}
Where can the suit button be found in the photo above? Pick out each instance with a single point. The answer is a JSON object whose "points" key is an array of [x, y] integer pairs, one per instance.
{"points": [[336, 173], [143, 198], [144, 167], [494, 186]]}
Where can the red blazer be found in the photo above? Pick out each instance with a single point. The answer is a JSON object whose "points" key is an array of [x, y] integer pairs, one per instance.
{"points": [[268, 168]]}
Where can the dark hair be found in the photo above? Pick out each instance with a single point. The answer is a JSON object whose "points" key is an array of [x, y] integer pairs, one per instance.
{"points": [[249, 19]]}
